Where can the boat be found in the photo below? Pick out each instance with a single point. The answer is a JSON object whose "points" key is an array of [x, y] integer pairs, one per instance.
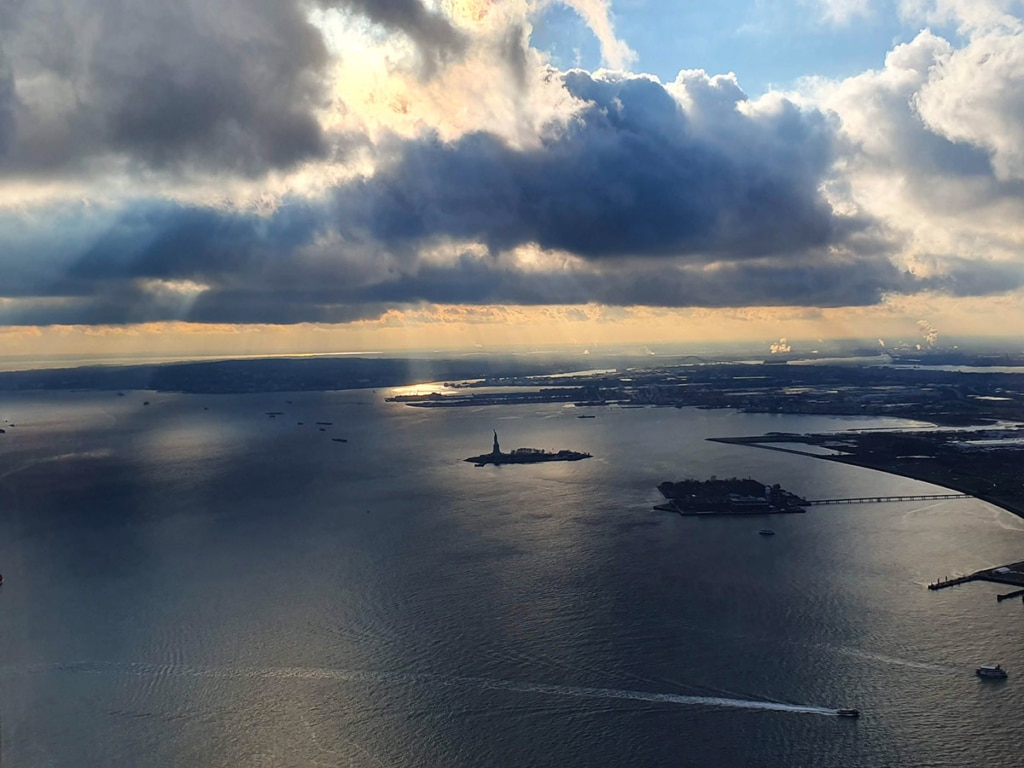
{"points": [[766, 532], [848, 712], [991, 672]]}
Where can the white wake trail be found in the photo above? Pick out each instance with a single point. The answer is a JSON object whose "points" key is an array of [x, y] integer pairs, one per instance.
{"points": [[480, 683]]}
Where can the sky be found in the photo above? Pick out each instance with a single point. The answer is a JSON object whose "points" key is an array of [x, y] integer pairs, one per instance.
{"points": [[273, 176]]}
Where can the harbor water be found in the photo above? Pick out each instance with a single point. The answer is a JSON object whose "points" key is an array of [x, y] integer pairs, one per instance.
{"points": [[194, 582]]}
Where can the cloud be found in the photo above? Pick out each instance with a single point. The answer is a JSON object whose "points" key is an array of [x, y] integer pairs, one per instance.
{"points": [[958, 276], [435, 36], [932, 152], [598, 17], [970, 16], [158, 261], [212, 83], [815, 282], [840, 12], [975, 95], [7, 107], [477, 173], [640, 169], [217, 85]]}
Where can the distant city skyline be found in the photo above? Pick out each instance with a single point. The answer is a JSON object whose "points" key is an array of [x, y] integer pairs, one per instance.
{"points": [[315, 176]]}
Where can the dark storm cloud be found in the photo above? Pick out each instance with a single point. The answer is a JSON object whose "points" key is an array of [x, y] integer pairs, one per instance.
{"points": [[176, 243], [7, 107], [632, 174], [107, 255], [165, 262], [222, 84], [435, 37], [974, 277], [827, 283], [216, 85]]}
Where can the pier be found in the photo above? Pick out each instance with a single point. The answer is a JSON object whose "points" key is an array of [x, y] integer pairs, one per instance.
{"points": [[943, 583], [1011, 575], [885, 499]]}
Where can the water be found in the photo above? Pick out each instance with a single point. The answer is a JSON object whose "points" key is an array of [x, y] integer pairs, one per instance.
{"points": [[215, 587]]}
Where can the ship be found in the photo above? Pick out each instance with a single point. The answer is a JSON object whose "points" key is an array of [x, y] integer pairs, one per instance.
{"points": [[991, 672], [524, 456]]}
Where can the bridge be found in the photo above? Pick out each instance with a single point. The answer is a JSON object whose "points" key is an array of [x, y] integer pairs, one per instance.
{"points": [[883, 499]]}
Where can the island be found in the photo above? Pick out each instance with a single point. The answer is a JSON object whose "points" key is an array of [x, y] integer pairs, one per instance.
{"points": [[727, 497], [524, 456]]}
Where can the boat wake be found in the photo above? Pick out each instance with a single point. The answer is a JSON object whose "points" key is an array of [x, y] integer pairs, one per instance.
{"points": [[924, 666], [478, 683], [667, 698]]}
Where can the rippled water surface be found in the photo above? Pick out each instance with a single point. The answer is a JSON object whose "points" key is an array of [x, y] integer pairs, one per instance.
{"points": [[196, 583]]}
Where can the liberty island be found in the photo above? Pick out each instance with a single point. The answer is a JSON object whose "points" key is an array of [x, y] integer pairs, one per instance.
{"points": [[523, 455]]}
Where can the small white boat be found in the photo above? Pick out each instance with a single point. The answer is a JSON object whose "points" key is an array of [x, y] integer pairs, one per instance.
{"points": [[991, 672]]}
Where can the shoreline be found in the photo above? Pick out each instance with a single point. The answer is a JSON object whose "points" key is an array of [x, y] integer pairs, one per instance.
{"points": [[1006, 505], [1009, 506]]}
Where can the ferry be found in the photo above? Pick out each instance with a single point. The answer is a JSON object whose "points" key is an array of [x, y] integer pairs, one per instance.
{"points": [[848, 712], [991, 671]]}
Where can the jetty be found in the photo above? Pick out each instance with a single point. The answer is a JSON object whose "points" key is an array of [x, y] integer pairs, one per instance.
{"points": [[1012, 575], [952, 582]]}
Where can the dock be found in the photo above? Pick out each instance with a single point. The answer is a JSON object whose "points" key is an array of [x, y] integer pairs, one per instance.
{"points": [[1011, 575], [943, 583]]}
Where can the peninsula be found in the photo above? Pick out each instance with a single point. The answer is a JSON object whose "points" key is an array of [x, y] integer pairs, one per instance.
{"points": [[984, 463], [523, 456]]}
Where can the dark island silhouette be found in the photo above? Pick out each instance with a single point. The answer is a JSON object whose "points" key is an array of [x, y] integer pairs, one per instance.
{"points": [[728, 497], [523, 456]]}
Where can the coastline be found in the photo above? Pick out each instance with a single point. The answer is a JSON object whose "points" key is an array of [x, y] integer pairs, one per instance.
{"points": [[1008, 505]]}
